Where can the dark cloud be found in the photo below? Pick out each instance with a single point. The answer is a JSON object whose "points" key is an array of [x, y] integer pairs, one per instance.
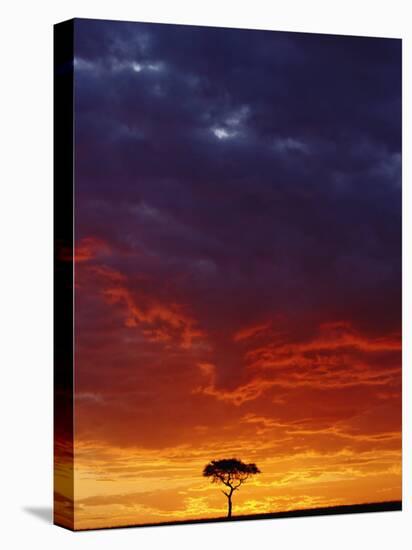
{"points": [[247, 176]]}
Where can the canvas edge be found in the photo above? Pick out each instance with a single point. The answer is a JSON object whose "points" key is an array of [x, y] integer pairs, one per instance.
{"points": [[63, 267]]}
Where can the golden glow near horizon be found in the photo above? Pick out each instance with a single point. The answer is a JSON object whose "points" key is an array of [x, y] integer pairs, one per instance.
{"points": [[132, 486]]}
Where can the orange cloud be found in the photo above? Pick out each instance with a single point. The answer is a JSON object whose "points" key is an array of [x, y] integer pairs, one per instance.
{"points": [[237, 396]]}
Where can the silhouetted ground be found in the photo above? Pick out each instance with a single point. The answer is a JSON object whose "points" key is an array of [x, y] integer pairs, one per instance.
{"points": [[389, 506]]}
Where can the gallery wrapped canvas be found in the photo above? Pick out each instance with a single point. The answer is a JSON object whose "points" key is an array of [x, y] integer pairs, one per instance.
{"points": [[227, 274]]}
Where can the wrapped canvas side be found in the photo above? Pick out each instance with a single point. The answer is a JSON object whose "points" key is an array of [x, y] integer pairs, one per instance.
{"points": [[63, 276]]}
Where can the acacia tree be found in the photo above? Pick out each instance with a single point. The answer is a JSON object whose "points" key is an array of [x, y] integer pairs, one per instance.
{"points": [[232, 473]]}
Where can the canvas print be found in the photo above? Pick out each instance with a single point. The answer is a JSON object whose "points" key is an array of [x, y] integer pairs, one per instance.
{"points": [[227, 274]]}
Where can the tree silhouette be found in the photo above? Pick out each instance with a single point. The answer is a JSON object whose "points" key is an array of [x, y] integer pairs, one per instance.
{"points": [[232, 473]]}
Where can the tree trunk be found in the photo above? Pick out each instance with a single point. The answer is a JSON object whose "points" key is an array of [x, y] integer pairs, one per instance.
{"points": [[229, 506]]}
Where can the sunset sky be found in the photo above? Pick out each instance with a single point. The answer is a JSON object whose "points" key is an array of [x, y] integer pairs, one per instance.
{"points": [[238, 269]]}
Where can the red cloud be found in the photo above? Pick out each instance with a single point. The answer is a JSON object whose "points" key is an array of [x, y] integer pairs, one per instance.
{"points": [[86, 249], [250, 332], [166, 322], [338, 357]]}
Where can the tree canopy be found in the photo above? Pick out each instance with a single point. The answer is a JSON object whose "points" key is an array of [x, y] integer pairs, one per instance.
{"points": [[232, 473]]}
